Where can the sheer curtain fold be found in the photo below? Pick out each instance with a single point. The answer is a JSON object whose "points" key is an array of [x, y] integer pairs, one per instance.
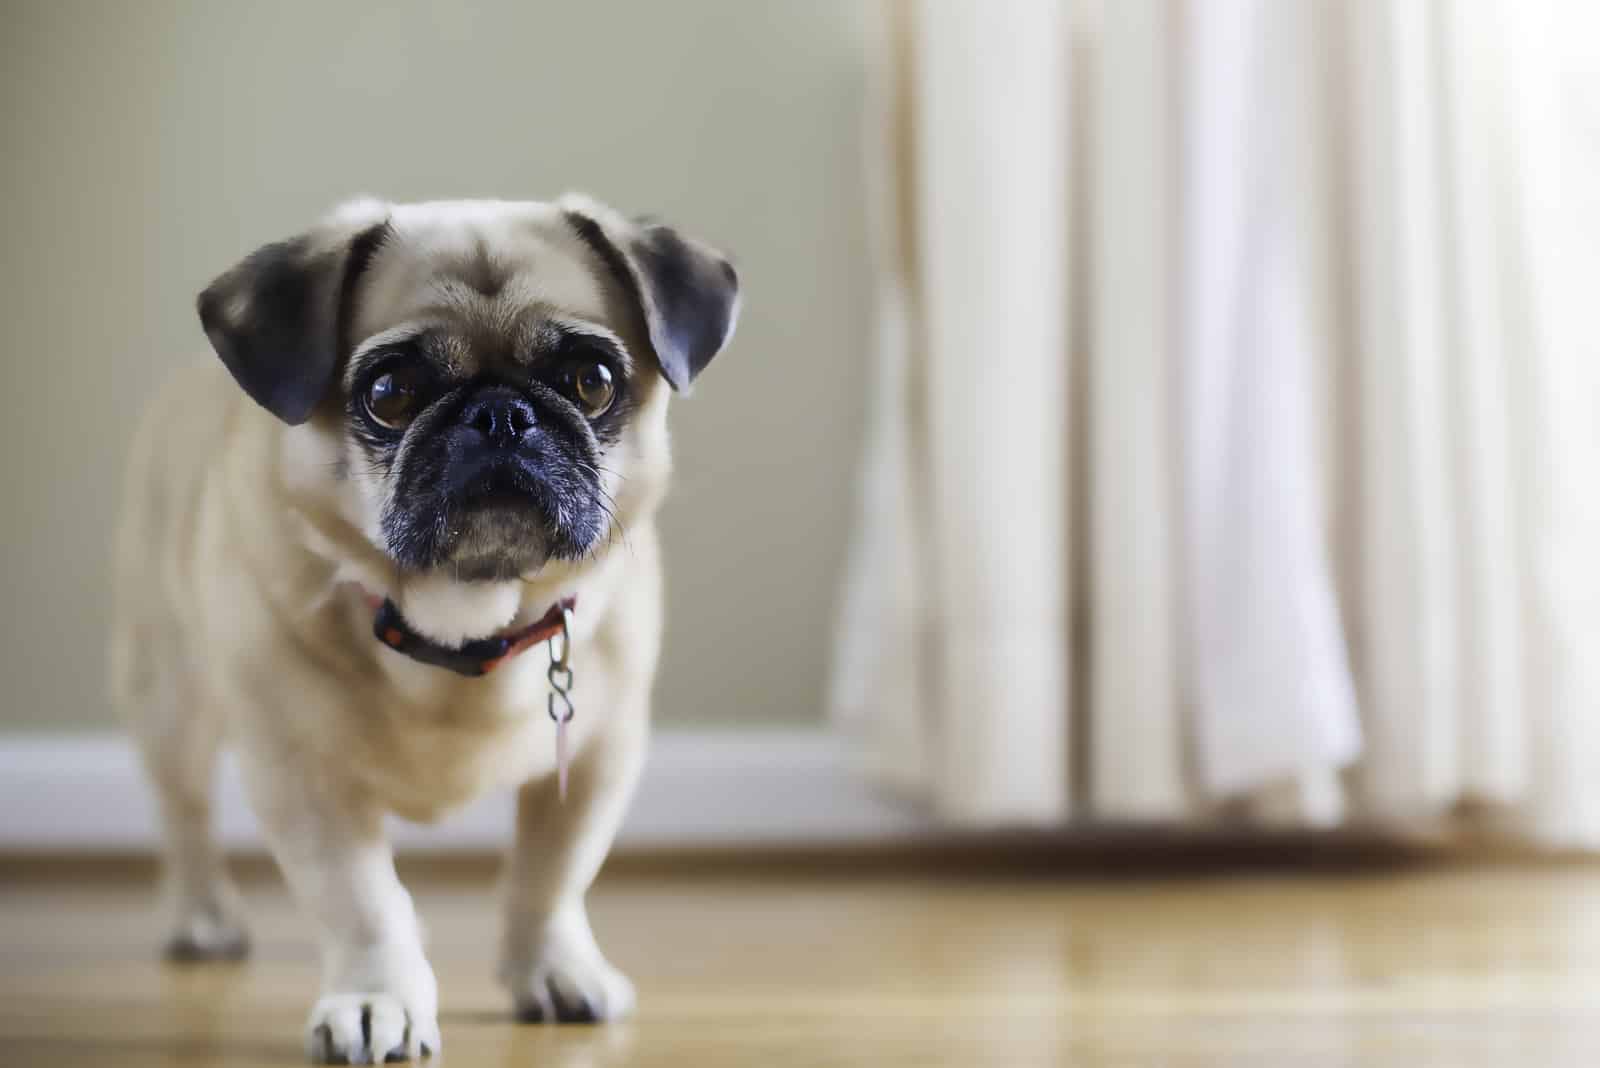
{"points": [[1336, 510], [1138, 767]]}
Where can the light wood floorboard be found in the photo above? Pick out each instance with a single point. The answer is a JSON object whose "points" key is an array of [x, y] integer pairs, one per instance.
{"points": [[1453, 968]]}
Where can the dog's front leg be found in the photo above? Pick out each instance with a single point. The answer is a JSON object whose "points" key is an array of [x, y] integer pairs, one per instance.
{"points": [[550, 962], [379, 997]]}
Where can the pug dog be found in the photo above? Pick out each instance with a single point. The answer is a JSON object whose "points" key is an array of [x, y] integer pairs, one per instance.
{"points": [[397, 548]]}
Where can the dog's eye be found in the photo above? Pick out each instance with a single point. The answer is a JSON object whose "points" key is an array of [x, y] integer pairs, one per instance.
{"points": [[394, 397], [591, 386]]}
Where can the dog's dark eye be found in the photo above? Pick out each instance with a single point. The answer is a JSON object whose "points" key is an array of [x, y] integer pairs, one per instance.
{"points": [[590, 385], [394, 397]]}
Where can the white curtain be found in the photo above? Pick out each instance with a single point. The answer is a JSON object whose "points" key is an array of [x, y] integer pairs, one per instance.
{"points": [[1234, 450]]}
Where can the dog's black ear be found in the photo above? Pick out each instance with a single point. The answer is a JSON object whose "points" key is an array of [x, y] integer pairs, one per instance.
{"points": [[280, 319], [686, 292]]}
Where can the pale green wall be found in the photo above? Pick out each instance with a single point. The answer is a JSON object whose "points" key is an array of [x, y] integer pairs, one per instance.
{"points": [[148, 145]]}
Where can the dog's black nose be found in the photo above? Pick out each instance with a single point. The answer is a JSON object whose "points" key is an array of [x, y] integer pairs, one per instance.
{"points": [[501, 415]]}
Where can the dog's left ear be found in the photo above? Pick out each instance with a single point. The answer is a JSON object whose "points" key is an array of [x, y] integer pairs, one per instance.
{"points": [[279, 319], [687, 292]]}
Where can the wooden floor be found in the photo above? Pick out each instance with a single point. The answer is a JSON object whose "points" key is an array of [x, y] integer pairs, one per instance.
{"points": [[1453, 968]]}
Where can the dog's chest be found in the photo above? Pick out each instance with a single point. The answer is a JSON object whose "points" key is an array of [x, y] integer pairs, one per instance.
{"points": [[445, 740]]}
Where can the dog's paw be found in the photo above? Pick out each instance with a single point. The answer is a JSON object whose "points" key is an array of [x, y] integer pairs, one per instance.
{"points": [[581, 990], [207, 934], [368, 1029]]}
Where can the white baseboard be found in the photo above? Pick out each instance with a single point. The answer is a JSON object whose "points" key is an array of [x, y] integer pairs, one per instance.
{"points": [[85, 793]]}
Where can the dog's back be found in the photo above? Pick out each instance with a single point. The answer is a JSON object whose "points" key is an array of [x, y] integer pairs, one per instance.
{"points": [[173, 453]]}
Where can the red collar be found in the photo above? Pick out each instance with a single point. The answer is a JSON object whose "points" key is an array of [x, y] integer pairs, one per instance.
{"points": [[474, 658]]}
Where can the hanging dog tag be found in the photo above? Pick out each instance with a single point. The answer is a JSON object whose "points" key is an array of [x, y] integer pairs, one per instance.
{"points": [[559, 702], [561, 759]]}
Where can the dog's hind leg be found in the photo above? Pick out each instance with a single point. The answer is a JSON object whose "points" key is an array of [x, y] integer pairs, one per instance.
{"points": [[179, 740], [154, 684]]}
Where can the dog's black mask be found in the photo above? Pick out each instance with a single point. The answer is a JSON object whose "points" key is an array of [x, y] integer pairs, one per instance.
{"points": [[492, 480]]}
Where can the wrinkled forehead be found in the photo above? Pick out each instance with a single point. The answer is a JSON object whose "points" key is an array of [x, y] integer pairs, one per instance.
{"points": [[488, 266]]}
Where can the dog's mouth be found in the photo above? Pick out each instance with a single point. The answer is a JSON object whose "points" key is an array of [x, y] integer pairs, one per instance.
{"points": [[498, 518], [504, 486]]}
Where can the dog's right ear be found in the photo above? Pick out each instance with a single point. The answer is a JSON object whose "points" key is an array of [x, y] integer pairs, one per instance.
{"points": [[280, 319], [687, 293]]}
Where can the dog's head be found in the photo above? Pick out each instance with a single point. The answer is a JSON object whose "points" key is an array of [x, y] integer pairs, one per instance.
{"points": [[488, 375]]}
